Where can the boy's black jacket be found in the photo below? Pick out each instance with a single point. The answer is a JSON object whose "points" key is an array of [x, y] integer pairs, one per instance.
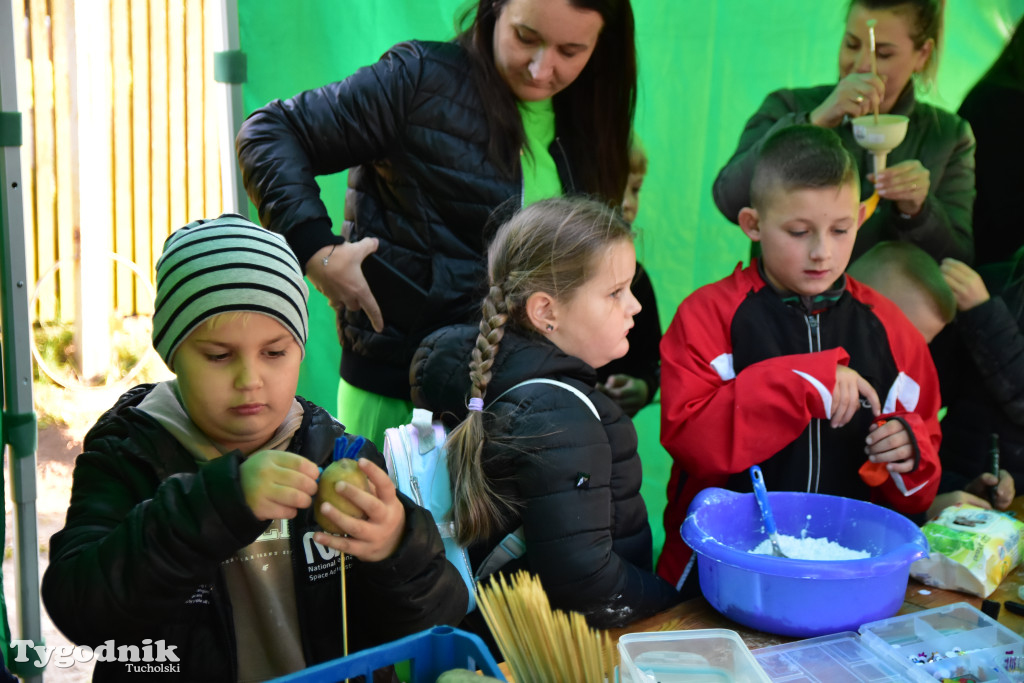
{"points": [[139, 556]]}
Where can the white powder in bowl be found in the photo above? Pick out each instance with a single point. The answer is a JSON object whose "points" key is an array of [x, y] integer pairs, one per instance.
{"points": [[811, 549]]}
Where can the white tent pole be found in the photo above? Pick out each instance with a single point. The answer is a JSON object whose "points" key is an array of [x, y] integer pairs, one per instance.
{"points": [[229, 69], [19, 419]]}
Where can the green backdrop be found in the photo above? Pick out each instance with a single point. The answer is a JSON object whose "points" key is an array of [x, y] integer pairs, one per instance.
{"points": [[705, 66]]}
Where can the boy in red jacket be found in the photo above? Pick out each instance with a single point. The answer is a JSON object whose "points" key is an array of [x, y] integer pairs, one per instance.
{"points": [[790, 364]]}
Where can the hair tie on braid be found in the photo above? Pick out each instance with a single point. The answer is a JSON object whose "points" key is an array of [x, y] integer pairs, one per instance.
{"points": [[476, 404]]}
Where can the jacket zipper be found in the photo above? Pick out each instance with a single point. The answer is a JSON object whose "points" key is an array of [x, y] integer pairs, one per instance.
{"points": [[522, 181], [413, 481], [565, 164], [814, 435]]}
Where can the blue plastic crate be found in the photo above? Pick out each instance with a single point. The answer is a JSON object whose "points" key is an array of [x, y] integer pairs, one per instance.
{"points": [[431, 653]]}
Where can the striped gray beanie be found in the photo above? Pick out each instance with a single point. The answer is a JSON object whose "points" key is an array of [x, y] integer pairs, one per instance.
{"points": [[226, 264]]}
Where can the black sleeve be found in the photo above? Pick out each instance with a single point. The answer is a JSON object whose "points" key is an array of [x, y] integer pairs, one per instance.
{"points": [[994, 341], [731, 189], [284, 145], [133, 550]]}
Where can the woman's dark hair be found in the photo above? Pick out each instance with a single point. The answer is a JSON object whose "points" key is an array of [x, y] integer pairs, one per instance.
{"points": [[926, 23], [593, 115]]}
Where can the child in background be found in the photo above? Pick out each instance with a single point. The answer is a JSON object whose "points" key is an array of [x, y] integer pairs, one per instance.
{"points": [[791, 365], [536, 456], [190, 521], [910, 278], [633, 379], [985, 397]]}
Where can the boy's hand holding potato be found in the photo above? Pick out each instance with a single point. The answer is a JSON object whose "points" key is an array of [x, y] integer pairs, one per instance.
{"points": [[375, 535]]}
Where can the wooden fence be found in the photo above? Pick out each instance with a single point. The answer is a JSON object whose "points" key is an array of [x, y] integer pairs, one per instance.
{"points": [[120, 143]]}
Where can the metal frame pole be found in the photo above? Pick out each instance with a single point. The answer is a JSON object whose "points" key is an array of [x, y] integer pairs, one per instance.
{"points": [[19, 418]]}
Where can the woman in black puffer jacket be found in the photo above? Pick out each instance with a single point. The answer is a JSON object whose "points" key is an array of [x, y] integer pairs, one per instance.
{"points": [[534, 99], [537, 455]]}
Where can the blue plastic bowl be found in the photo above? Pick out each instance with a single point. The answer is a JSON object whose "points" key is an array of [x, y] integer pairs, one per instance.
{"points": [[801, 598]]}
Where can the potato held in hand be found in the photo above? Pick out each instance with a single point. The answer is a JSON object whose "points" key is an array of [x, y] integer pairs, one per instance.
{"points": [[345, 470]]}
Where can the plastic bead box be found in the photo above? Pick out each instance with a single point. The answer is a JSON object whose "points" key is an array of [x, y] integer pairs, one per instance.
{"points": [[952, 642]]}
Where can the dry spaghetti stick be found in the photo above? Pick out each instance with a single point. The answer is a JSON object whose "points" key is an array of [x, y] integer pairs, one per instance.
{"points": [[596, 652], [344, 612], [496, 620], [584, 665], [501, 614], [541, 644], [518, 597], [611, 656], [496, 612]]}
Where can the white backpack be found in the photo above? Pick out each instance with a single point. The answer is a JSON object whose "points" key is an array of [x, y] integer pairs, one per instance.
{"points": [[417, 462]]}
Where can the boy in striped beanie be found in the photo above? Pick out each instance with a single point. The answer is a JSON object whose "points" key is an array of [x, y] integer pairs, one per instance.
{"points": [[191, 522]]}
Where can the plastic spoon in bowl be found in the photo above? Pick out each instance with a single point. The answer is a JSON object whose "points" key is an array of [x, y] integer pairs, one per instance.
{"points": [[761, 494]]}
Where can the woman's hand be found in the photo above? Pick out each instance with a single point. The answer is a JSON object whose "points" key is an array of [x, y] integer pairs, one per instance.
{"points": [[907, 183], [968, 287], [342, 281], [855, 95], [377, 536]]}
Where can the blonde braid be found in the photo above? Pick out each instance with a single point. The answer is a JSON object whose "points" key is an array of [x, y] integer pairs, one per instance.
{"points": [[476, 508], [492, 329]]}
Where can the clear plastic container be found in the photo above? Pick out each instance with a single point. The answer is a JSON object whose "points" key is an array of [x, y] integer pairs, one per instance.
{"points": [[948, 642], [836, 657], [714, 655]]}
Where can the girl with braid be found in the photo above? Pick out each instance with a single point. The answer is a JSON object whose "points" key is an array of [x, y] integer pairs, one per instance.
{"points": [[536, 455]]}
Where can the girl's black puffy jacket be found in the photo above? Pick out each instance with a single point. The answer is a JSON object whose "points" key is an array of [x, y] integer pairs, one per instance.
{"points": [[578, 478], [140, 553], [412, 128]]}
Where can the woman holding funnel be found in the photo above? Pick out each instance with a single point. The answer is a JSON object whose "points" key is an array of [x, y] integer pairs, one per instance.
{"points": [[535, 98], [926, 193]]}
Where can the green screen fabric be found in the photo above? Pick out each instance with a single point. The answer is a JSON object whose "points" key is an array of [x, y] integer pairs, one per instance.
{"points": [[705, 66]]}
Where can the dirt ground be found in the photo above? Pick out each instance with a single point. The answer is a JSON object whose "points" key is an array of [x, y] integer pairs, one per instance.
{"points": [[55, 459]]}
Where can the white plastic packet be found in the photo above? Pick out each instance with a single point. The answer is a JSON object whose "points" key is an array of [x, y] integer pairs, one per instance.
{"points": [[972, 549]]}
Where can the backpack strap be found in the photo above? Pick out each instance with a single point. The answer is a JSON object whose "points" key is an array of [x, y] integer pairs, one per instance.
{"points": [[554, 382], [513, 546]]}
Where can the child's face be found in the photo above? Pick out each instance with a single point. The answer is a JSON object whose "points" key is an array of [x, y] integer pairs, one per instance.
{"points": [[631, 202], [806, 236], [593, 324], [238, 378]]}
